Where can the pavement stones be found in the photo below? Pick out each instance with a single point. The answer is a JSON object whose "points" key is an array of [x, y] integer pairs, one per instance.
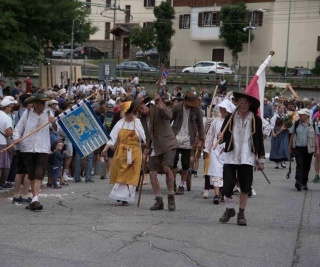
{"points": [[81, 226]]}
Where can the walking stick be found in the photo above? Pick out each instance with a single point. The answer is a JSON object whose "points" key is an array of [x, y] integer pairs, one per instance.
{"points": [[225, 128], [211, 104], [144, 168], [289, 172]]}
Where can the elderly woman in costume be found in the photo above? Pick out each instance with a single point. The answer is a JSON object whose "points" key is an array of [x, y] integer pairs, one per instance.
{"points": [[279, 139], [215, 170], [126, 137]]}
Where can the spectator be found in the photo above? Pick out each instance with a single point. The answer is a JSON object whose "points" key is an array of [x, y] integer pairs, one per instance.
{"points": [[267, 109], [17, 91]]}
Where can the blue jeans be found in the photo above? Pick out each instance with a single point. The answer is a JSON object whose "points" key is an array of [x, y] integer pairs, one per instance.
{"points": [[77, 167]]}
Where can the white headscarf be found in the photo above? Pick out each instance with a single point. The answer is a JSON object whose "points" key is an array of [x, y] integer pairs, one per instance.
{"points": [[228, 105]]}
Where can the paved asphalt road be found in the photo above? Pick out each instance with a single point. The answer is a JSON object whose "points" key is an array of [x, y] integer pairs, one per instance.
{"points": [[81, 226]]}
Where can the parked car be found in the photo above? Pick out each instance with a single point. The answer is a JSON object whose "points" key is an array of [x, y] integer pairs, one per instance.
{"points": [[299, 72], [89, 51], [149, 54], [64, 51], [136, 65], [209, 67]]}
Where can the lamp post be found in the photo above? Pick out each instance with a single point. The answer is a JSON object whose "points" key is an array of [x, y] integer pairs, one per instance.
{"points": [[71, 58], [250, 28]]}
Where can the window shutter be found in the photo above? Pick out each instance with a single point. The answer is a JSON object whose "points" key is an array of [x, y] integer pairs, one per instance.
{"points": [[260, 19], [180, 21], [200, 19], [145, 3], [152, 2], [218, 19], [318, 46]]}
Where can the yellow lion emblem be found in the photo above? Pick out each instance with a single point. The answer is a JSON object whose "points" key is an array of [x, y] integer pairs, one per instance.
{"points": [[80, 124]]}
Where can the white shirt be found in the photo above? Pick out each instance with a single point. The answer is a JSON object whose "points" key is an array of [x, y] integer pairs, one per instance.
{"points": [[118, 91], [121, 124], [242, 143], [5, 123], [135, 81], [38, 142], [183, 136]]}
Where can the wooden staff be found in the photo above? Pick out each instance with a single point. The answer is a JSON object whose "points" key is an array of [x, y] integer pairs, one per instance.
{"points": [[225, 128], [211, 104], [148, 141]]}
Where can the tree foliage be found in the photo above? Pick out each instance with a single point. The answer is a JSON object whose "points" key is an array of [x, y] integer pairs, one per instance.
{"points": [[143, 37], [28, 26], [234, 18], [164, 14]]}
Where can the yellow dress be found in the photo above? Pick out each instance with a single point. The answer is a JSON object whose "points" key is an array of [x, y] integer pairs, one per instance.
{"points": [[124, 176]]}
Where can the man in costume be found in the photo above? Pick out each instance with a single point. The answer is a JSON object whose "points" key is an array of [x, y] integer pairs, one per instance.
{"points": [[244, 149], [155, 118], [187, 120]]}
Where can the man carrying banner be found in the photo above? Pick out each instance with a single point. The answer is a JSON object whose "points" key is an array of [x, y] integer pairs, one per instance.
{"points": [[162, 142], [36, 148], [244, 147]]}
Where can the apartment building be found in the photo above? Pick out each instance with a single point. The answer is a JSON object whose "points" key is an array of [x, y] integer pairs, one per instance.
{"points": [[116, 22], [197, 30]]}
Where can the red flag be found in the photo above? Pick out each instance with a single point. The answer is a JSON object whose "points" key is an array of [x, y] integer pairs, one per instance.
{"points": [[258, 83]]}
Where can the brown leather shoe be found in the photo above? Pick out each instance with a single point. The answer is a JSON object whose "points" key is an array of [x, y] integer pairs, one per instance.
{"points": [[180, 190], [34, 206], [241, 220], [171, 202], [227, 215], [158, 205]]}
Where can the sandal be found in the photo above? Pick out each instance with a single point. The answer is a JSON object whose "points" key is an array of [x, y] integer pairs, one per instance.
{"points": [[64, 183]]}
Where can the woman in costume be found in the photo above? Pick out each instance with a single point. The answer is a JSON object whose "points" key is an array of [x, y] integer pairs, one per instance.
{"points": [[215, 170], [126, 137], [279, 138]]}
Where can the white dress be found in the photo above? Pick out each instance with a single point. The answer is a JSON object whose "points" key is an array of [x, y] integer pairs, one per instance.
{"points": [[217, 156]]}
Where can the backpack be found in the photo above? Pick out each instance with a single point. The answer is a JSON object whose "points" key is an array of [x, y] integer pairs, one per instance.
{"points": [[107, 121]]}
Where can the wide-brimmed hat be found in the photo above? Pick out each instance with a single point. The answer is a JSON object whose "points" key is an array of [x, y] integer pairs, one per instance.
{"points": [[37, 98], [255, 103], [51, 102], [135, 104], [228, 105], [192, 100], [304, 111], [62, 91], [124, 106]]}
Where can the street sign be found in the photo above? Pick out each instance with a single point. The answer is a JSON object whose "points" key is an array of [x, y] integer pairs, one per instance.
{"points": [[106, 69], [165, 74]]}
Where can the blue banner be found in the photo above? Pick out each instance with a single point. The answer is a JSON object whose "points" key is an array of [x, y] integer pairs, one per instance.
{"points": [[83, 128]]}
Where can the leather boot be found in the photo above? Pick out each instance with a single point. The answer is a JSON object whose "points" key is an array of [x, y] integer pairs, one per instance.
{"points": [[171, 202], [158, 205]]}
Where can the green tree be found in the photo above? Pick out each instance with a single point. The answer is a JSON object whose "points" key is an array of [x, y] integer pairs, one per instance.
{"points": [[164, 14], [234, 18], [28, 26], [143, 37]]}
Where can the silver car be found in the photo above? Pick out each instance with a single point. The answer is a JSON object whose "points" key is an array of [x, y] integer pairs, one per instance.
{"points": [[64, 51]]}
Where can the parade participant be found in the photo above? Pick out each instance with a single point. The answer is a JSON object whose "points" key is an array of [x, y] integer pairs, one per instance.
{"points": [[62, 97], [126, 138], [162, 143], [118, 90], [187, 119], [22, 173], [244, 148], [304, 141], [57, 163], [279, 139], [36, 148], [217, 155]]}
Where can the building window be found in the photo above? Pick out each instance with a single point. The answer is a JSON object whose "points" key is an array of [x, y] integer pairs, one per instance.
{"points": [[318, 45], [208, 19], [107, 31], [147, 24], [149, 3], [108, 2], [184, 21], [128, 14], [257, 18], [88, 5]]}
